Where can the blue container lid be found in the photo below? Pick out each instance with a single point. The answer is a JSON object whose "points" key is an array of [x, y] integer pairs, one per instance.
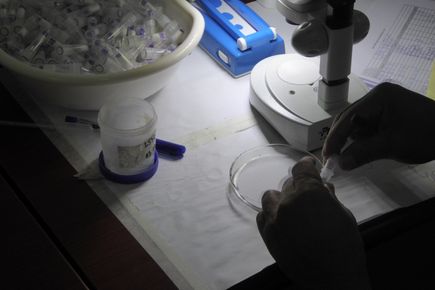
{"points": [[128, 179]]}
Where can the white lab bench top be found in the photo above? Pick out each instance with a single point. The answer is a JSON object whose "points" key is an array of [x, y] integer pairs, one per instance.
{"points": [[186, 216]]}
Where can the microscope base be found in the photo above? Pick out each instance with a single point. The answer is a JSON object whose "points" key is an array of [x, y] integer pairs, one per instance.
{"points": [[284, 91]]}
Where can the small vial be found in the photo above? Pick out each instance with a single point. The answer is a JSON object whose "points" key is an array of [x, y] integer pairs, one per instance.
{"points": [[140, 30], [123, 61], [70, 49], [32, 49], [96, 61], [89, 10], [102, 28], [150, 54], [39, 58], [4, 16], [44, 24], [111, 14], [98, 68], [92, 21], [328, 170], [122, 29], [59, 35], [12, 14], [77, 20], [14, 45], [151, 26], [172, 27], [146, 8], [21, 12], [92, 33], [173, 32], [112, 65], [161, 18], [171, 48], [160, 39], [21, 31], [32, 23]]}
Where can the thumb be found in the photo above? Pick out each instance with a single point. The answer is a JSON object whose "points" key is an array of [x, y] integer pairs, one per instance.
{"points": [[362, 151], [270, 203]]}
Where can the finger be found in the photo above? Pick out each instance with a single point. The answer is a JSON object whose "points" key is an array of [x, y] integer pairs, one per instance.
{"points": [[261, 224], [287, 186], [269, 203], [337, 136], [346, 122], [330, 187], [346, 109], [305, 169], [362, 151], [334, 142]]}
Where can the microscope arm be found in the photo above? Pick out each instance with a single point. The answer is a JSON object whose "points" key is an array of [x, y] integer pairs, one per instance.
{"points": [[335, 64], [327, 30]]}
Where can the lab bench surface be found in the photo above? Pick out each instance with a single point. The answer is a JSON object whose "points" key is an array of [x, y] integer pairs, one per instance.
{"points": [[59, 234]]}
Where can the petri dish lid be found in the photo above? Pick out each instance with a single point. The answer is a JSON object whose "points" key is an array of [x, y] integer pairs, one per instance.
{"points": [[263, 168]]}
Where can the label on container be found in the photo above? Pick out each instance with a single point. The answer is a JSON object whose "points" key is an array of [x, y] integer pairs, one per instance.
{"points": [[141, 155]]}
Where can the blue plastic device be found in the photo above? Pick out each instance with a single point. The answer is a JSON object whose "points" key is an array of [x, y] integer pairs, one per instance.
{"points": [[235, 36]]}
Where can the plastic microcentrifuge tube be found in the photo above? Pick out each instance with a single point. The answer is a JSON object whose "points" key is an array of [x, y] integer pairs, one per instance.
{"points": [[328, 170], [151, 54], [70, 49], [92, 21], [92, 33], [151, 25], [126, 21], [32, 49]]}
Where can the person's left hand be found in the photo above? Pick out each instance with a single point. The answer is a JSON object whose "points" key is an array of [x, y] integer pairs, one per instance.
{"points": [[311, 235]]}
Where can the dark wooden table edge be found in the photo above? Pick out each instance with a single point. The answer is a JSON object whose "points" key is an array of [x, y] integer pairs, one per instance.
{"points": [[93, 241]]}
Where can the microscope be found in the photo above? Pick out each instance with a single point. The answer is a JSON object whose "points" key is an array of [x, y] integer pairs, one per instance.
{"points": [[300, 94]]}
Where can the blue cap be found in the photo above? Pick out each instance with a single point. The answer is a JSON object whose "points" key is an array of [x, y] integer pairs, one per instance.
{"points": [[128, 179]]}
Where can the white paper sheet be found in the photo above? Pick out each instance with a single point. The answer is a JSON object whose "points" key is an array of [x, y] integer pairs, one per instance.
{"points": [[400, 47]]}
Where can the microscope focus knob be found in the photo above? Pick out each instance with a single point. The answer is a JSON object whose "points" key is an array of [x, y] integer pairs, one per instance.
{"points": [[310, 38], [361, 24]]}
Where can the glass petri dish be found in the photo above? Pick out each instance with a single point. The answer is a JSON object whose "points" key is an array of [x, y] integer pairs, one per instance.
{"points": [[263, 168]]}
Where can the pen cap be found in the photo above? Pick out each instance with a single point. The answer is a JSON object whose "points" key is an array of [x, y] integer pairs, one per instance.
{"points": [[128, 135]]}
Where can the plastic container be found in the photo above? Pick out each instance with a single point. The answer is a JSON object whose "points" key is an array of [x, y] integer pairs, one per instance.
{"points": [[263, 168], [128, 136], [90, 92]]}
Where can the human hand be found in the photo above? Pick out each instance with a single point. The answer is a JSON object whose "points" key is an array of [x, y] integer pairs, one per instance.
{"points": [[389, 122], [311, 235]]}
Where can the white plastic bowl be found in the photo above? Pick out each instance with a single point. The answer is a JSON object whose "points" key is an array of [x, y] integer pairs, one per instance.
{"points": [[90, 92]]}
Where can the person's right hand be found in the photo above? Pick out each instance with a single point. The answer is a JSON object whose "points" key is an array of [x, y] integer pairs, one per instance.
{"points": [[390, 122]]}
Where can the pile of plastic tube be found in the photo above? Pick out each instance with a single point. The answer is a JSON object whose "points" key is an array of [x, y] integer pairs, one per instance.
{"points": [[86, 36]]}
